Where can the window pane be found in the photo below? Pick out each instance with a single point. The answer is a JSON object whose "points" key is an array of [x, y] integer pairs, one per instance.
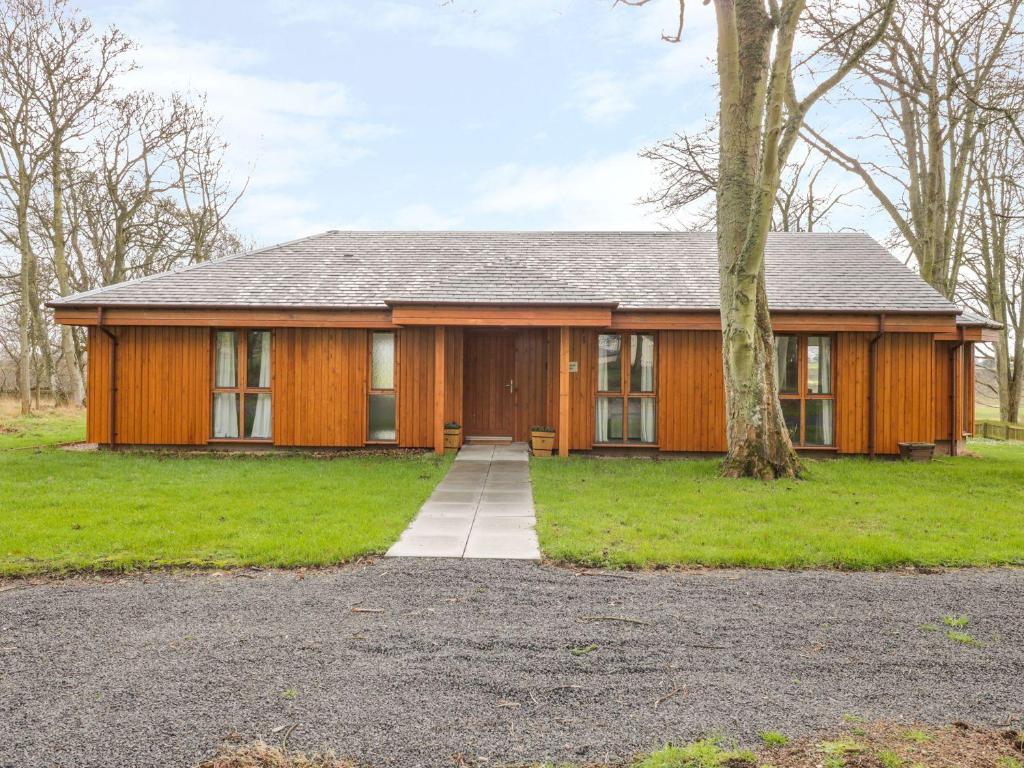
{"points": [[609, 363], [382, 364], [791, 413], [258, 359], [787, 364], [608, 420], [257, 416], [226, 359], [818, 422], [641, 362], [641, 419], [819, 365], [382, 417], [225, 414]]}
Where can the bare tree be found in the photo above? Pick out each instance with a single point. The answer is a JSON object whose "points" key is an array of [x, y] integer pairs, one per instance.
{"points": [[760, 118], [23, 156], [97, 185], [77, 69], [995, 255], [688, 168], [933, 74]]}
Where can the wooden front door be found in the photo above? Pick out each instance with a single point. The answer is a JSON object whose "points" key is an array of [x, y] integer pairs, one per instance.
{"points": [[489, 398]]}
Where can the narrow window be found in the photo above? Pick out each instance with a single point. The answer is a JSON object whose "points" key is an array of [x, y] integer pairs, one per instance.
{"points": [[625, 410], [808, 408], [381, 409], [241, 385]]}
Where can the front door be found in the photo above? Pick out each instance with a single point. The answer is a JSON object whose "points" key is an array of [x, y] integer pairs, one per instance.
{"points": [[489, 398]]}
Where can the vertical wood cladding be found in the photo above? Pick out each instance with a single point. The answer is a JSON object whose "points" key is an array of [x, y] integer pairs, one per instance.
{"points": [[163, 385], [319, 386], [320, 378], [691, 391], [415, 387], [852, 385], [453, 368]]}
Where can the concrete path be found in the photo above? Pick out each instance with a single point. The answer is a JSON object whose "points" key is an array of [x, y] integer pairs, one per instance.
{"points": [[482, 508]]}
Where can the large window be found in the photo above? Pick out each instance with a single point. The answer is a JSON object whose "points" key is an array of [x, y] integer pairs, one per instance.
{"points": [[626, 405], [382, 388], [803, 370], [241, 385]]}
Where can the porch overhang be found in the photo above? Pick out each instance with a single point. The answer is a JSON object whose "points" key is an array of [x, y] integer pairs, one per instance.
{"points": [[506, 315]]}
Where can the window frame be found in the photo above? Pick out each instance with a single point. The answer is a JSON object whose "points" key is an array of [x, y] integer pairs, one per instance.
{"points": [[241, 387], [803, 393], [625, 382], [371, 390]]}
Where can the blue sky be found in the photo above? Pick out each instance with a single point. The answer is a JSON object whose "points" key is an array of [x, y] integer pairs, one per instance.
{"points": [[426, 114]]}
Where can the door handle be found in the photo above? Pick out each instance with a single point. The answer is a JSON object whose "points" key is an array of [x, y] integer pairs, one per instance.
{"points": [[511, 385]]}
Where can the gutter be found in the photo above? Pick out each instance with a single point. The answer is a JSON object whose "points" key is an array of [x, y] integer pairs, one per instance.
{"points": [[113, 375], [873, 385], [954, 395]]}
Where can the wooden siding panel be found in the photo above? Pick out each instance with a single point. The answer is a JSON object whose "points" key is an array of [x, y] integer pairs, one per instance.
{"points": [[691, 391], [320, 387], [906, 386], [97, 421], [852, 385], [162, 386], [415, 387], [582, 383], [453, 364]]}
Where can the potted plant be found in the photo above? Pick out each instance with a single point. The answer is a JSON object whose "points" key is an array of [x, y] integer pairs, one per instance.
{"points": [[917, 451], [542, 440], [452, 436]]}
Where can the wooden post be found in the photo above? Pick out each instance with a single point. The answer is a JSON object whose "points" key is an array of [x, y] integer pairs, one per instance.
{"points": [[439, 333], [563, 392]]}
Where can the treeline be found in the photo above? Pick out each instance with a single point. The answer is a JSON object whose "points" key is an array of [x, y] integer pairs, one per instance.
{"points": [[99, 183]]}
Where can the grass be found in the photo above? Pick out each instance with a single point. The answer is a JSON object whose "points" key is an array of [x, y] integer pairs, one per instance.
{"points": [[847, 513], [64, 511], [879, 745]]}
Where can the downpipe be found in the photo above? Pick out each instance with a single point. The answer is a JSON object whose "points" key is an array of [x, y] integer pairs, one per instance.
{"points": [[113, 375], [873, 384]]}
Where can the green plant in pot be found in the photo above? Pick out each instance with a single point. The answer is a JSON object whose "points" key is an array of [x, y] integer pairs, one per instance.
{"points": [[542, 440], [452, 436]]}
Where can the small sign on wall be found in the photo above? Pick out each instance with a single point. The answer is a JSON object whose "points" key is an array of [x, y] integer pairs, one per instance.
{"points": [[573, 366]]}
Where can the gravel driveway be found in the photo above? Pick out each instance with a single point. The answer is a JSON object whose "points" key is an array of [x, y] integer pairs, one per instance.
{"points": [[475, 657]]}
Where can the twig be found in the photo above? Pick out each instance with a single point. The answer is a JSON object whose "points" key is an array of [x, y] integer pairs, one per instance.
{"points": [[605, 575], [624, 619], [668, 696], [357, 609]]}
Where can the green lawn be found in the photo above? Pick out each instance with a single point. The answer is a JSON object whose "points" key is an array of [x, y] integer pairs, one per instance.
{"points": [[847, 513], [62, 511]]}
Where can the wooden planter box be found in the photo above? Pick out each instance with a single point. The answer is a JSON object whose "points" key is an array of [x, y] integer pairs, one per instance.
{"points": [[542, 443], [917, 451], [452, 439]]}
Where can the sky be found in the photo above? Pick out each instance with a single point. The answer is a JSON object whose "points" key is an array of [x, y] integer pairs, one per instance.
{"points": [[438, 114]]}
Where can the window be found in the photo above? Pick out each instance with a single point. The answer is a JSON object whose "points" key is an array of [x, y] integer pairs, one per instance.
{"points": [[626, 405], [241, 385], [808, 408], [382, 388]]}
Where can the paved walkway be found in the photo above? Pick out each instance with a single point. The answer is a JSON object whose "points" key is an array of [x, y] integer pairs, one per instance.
{"points": [[482, 508]]}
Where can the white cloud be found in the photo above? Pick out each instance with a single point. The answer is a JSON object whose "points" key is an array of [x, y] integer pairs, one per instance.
{"points": [[602, 97], [283, 133], [493, 25], [596, 194]]}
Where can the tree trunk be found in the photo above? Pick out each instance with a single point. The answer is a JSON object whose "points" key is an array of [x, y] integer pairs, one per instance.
{"points": [[24, 290], [759, 444], [73, 369]]}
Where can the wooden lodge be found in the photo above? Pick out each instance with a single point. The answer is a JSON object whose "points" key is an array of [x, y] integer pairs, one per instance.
{"points": [[354, 339]]}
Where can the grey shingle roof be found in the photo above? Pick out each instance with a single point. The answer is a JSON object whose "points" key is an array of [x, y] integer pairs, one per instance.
{"points": [[969, 319], [635, 270]]}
